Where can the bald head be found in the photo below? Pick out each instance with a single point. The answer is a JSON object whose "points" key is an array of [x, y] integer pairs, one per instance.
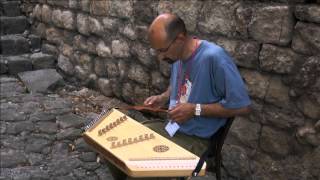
{"points": [[165, 28]]}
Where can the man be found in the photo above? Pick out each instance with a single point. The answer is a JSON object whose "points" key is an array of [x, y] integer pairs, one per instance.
{"points": [[205, 85]]}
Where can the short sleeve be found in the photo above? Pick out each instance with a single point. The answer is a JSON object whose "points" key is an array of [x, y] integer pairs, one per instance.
{"points": [[228, 83]]}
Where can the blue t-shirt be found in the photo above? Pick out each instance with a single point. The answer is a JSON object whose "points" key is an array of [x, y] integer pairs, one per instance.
{"points": [[215, 79]]}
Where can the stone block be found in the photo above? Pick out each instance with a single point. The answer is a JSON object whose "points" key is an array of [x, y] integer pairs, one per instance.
{"points": [[306, 39], [70, 120], [105, 86], [256, 82], [128, 31], [80, 43], [278, 93], [9, 89], [236, 160], [112, 69], [103, 50], [68, 20], [189, 11], [110, 23], [83, 24], [14, 44], [99, 7], [146, 11], [91, 44], [278, 59], [3, 66], [39, 30], [54, 35], [13, 25], [120, 49], [308, 12], [272, 24], [11, 159], [42, 61], [56, 17], [143, 54], [50, 49], [309, 106], [158, 81], [46, 14], [140, 94], [37, 144], [100, 67], [69, 134], [219, 18], [307, 75], [245, 53], [35, 43], [142, 32], [280, 118], [121, 9], [10, 8], [137, 73], [80, 73], [17, 64], [86, 62], [36, 12], [276, 142], [66, 49], [64, 4], [65, 65], [95, 26], [40, 80], [85, 5]]}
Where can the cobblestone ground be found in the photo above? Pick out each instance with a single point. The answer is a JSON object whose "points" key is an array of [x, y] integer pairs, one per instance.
{"points": [[41, 137], [41, 133]]}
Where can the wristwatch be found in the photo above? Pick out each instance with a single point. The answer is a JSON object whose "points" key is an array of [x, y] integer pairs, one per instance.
{"points": [[198, 110]]}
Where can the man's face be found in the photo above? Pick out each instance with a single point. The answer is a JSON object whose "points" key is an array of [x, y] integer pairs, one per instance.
{"points": [[168, 53]]}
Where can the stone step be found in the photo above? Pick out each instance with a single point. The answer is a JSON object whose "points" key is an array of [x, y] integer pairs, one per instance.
{"points": [[13, 25], [14, 45], [17, 64], [10, 8], [40, 80], [26, 62]]}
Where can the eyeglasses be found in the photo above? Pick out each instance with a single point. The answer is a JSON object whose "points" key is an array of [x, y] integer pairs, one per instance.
{"points": [[163, 50]]}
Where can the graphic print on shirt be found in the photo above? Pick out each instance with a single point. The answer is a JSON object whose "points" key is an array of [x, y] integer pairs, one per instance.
{"points": [[185, 91]]}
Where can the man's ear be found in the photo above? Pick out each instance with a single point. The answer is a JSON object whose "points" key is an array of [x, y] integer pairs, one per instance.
{"points": [[181, 37]]}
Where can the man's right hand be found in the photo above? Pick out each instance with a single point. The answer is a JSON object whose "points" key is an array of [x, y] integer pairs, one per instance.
{"points": [[155, 101]]}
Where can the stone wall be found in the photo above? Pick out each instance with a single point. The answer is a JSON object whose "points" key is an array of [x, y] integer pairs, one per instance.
{"points": [[276, 45]]}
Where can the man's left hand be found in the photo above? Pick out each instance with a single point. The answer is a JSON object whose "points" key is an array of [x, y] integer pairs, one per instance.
{"points": [[182, 112]]}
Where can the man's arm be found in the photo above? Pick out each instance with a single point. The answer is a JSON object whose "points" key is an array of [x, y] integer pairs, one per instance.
{"points": [[185, 111]]}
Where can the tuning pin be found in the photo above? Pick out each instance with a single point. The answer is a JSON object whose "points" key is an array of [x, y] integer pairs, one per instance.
{"points": [[146, 136], [107, 128], [119, 144], [140, 138], [125, 117], [152, 136], [100, 132], [121, 119], [135, 140], [124, 142], [104, 131], [130, 141], [113, 144]]}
